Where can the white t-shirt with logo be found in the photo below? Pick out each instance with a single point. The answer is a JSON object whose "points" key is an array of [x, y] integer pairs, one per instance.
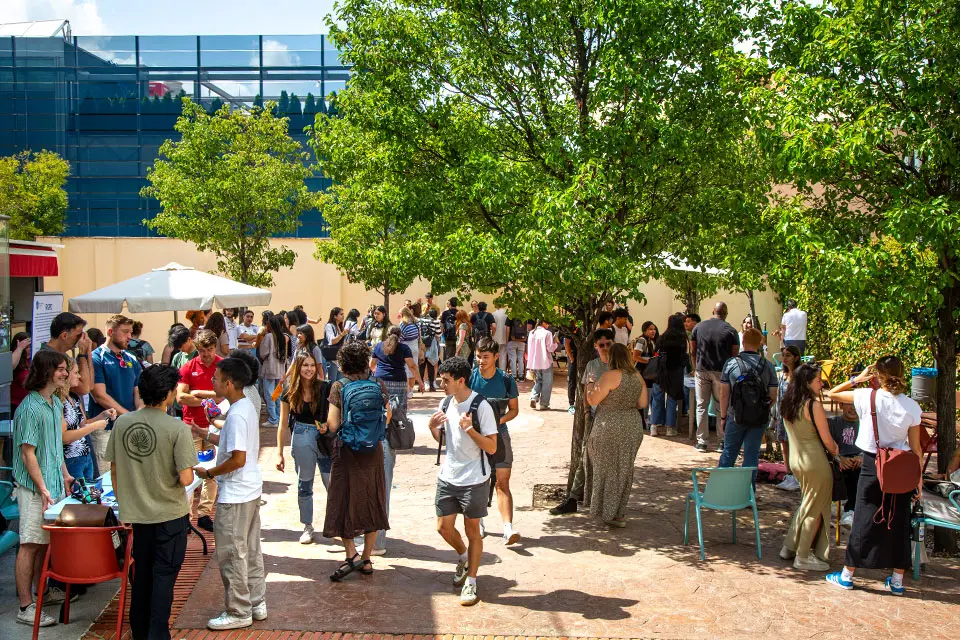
{"points": [[500, 335], [895, 416], [241, 432], [795, 322], [461, 464], [242, 329]]}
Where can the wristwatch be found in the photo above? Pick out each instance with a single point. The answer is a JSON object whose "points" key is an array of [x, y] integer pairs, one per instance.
{"points": [[83, 355]]}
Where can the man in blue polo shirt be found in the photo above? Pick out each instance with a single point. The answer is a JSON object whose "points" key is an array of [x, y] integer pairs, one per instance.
{"points": [[116, 375], [501, 392]]}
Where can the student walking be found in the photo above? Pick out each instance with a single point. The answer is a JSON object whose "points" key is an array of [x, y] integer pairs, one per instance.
{"points": [[237, 527], [466, 422], [712, 342], [273, 352], [334, 335], [160, 516], [303, 410], [450, 327], [356, 498], [540, 347], [430, 332]]}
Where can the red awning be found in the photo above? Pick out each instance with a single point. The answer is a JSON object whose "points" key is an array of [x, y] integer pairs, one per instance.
{"points": [[32, 259]]}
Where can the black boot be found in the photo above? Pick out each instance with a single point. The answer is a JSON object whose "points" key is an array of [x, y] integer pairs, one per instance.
{"points": [[567, 506]]}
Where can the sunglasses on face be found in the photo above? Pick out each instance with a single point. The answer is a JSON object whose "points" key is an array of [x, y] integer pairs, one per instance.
{"points": [[603, 345]]}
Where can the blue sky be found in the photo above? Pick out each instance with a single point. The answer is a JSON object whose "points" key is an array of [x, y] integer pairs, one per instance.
{"points": [[176, 17]]}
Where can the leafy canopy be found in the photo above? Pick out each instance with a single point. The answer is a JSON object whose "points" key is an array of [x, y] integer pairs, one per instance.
{"points": [[232, 181], [32, 193]]}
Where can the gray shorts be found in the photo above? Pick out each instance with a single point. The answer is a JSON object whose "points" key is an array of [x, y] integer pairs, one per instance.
{"points": [[508, 450], [471, 501]]}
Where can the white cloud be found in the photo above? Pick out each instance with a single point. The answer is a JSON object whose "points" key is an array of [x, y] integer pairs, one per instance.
{"points": [[277, 54], [83, 15]]}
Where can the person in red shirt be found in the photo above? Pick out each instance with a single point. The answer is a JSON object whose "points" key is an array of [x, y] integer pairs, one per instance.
{"points": [[20, 349], [196, 385]]}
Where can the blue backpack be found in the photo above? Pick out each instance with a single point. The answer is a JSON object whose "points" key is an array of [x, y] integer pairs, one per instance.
{"points": [[364, 422]]}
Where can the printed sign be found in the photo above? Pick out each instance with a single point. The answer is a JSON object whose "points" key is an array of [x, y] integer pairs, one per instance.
{"points": [[46, 306]]}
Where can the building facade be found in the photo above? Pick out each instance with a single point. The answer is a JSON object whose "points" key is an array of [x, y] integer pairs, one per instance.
{"points": [[107, 103]]}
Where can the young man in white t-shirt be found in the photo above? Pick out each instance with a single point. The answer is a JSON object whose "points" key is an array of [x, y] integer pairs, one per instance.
{"points": [[463, 482], [793, 327], [237, 527]]}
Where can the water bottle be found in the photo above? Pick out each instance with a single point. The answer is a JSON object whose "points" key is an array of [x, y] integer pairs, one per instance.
{"points": [[918, 515]]}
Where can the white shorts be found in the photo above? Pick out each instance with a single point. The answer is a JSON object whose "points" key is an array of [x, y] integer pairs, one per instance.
{"points": [[30, 504]]}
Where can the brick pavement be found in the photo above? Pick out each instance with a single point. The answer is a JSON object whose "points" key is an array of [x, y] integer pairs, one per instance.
{"points": [[569, 576]]}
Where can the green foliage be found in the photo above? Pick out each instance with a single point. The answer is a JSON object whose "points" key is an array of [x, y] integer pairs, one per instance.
{"points": [[310, 105], [691, 287], [283, 105], [232, 181], [294, 107], [32, 193]]}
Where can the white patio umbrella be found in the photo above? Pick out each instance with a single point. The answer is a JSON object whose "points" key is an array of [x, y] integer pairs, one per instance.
{"points": [[173, 287]]}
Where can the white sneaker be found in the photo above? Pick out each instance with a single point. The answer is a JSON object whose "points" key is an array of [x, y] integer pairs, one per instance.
{"points": [[653, 429], [847, 519], [671, 431], [225, 621], [511, 537], [786, 554], [56, 595], [790, 483], [260, 611], [810, 563], [460, 573], [27, 615], [468, 595], [307, 536]]}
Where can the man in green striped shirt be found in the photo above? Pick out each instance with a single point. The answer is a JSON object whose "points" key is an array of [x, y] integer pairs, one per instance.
{"points": [[40, 473]]}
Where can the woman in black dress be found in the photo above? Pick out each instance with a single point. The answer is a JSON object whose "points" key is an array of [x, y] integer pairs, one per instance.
{"points": [[880, 536]]}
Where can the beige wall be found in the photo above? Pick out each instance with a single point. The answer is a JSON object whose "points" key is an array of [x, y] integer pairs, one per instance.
{"points": [[87, 264]]}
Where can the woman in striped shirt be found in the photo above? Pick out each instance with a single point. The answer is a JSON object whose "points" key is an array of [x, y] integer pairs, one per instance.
{"points": [[410, 336], [430, 332]]}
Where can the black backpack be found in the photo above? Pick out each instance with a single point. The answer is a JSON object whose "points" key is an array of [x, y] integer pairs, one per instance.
{"points": [[518, 330], [135, 348], [501, 452], [480, 327], [450, 326], [751, 398], [426, 333]]}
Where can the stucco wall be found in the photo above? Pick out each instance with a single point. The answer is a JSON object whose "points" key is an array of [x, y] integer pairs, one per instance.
{"points": [[87, 264]]}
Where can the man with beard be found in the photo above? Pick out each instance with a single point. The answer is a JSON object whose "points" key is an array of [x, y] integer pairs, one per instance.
{"points": [[68, 337], [116, 374]]}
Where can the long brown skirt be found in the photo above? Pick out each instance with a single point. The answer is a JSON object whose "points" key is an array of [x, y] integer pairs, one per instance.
{"points": [[357, 496]]}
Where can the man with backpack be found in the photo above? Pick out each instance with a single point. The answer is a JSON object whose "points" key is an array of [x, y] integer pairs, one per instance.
{"points": [[748, 388], [468, 424], [501, 392], [484, 324], [712, 342], [449, 321], [517, 346]]}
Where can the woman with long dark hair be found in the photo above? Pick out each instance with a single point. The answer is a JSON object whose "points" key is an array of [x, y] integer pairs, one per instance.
{"points": [[807, 541], [307, 342], [352, 325], [378, 328], [668, 390], [791, 360], [880, 536], [303, 409], [273, 354], [218, 324], [334, 333]]}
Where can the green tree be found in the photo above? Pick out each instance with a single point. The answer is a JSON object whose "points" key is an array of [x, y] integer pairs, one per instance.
{"points": [[232, 181], [861, 116], [294, 107], [691, 287], [549, 152], [283, 105], [32, 193], [310, 105]]}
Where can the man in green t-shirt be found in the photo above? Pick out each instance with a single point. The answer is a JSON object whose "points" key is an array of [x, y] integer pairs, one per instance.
{"points": [[151, 458]]}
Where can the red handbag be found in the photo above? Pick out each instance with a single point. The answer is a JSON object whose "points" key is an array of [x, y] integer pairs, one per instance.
{"points": [[897, 470]]}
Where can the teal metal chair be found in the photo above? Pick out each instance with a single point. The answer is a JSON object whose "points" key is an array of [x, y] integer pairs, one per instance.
{"points": [[8, 540], [778, 362], [938, 512], [727, 490], [8, 506]]}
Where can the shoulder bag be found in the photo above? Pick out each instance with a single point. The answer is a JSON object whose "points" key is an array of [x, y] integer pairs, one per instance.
{"points": [[897, 470], [839, 486]]}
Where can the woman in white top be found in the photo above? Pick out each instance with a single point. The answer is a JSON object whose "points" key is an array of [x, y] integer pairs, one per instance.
{"points": [[880, 536]]}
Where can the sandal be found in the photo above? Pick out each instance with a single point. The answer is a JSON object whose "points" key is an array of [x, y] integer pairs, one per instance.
{"points": [[346, 568], [366, 568]]}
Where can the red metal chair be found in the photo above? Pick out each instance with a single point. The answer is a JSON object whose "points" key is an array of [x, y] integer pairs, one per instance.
{"points": [[84, 555]]}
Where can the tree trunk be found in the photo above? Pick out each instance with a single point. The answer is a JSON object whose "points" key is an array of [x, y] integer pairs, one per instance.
{"points": [[386, 297], [693, 300], [580, 414], [946, 358], [753, 309]]}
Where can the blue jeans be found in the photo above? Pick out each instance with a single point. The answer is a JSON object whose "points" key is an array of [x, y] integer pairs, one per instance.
{"points": [[663, 408], [542, 387], [81, 467], [307, 459], [331, 370], [735, 437], [267, 385]]}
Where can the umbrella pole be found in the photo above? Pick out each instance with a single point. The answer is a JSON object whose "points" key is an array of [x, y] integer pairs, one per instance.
{"points": [[175, 319]]}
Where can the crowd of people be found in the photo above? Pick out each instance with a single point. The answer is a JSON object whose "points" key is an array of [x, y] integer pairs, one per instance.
{"points": [[93, 401]]}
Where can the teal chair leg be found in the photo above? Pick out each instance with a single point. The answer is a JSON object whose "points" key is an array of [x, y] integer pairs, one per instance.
{"points": [[756, 527], [686, 521], [916, 552], [734, 527], [703, 556]]}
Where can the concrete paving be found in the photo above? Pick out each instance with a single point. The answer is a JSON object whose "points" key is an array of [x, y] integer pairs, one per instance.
{"points": [[571, 576]]}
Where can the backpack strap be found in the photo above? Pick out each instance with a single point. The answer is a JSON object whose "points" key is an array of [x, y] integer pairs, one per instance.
{"points": [[446, 403], [475, 416], [873, 415]]}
